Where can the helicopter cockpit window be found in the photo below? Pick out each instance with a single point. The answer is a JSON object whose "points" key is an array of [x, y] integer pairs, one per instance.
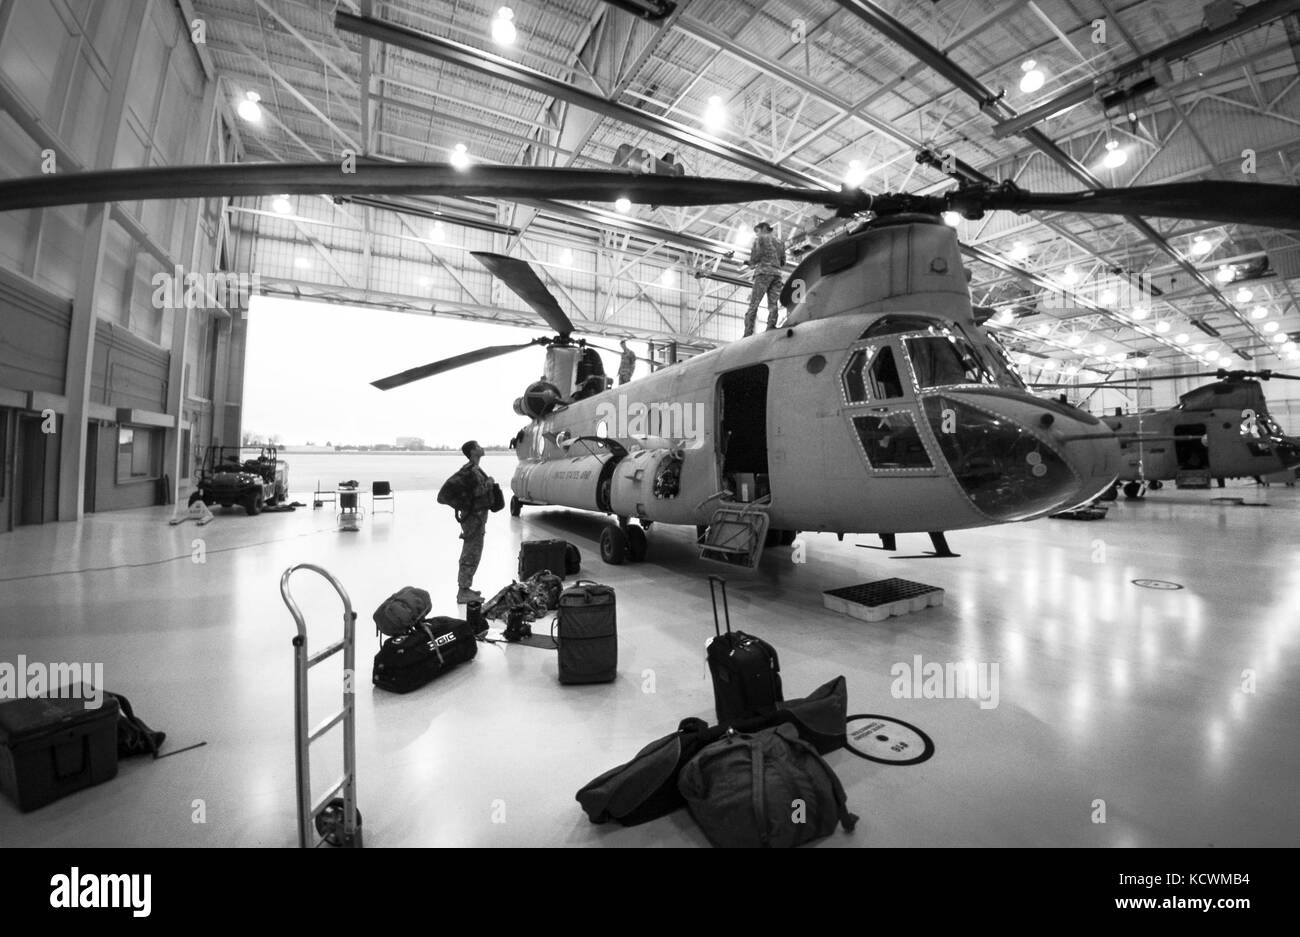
{"points": [[891, 441], [892, 325], [995, 358], [854, 386], [943, 360], [885, 382]]}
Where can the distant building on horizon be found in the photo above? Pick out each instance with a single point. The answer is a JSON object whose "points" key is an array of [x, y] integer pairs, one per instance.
{"points": [[410, 442]]}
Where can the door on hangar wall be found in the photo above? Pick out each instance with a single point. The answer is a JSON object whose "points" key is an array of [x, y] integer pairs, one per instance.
{"points": [[29, 471]]}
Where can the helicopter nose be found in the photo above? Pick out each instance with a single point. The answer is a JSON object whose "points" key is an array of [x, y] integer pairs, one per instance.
{"points": [[1017, 456], [1288, 450]]}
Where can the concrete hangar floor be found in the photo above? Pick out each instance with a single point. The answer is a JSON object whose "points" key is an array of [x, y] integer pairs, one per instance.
{"points": [[1114, 702]]}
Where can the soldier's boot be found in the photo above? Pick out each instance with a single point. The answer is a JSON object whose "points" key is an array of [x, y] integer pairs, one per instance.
{"points": [[464, 582]]}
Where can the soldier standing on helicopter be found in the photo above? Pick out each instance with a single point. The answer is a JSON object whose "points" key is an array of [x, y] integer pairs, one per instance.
{"points": [[767, 257]]}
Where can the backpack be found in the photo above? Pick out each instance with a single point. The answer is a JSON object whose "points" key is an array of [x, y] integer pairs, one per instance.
{"points": [[572, 560], [133, 736], [453, 493], [770, 789], [402, 611], [544, 587]]}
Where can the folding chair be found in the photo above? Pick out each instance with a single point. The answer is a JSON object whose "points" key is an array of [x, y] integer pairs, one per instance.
{"points": [[382, 491]]}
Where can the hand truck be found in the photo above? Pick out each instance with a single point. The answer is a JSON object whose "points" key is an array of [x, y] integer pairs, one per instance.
{"points": [[336, 819]]}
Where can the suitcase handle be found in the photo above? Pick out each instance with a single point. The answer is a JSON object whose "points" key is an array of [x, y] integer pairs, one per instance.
{"points": [[725, 608]]}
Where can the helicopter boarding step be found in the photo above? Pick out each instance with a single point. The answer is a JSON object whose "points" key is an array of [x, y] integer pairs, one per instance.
{"points": [[876, 601], [736, 535]]}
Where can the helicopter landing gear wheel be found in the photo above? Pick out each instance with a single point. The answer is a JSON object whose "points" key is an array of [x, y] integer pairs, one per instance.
{"points": [[1134, 490], [1110, 494], [516, 506], [1155, 485], [613, 546], [636, 544]]}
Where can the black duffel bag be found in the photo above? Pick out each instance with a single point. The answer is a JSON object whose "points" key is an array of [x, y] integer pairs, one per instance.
{"points": [[409, 661]]}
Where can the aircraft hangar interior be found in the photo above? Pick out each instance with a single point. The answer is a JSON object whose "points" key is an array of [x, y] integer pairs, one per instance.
{"points": [[579, 346]]}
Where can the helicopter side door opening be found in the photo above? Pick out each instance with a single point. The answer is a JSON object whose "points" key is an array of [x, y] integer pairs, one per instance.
{"points": [[742, 436], [1189, 448]]}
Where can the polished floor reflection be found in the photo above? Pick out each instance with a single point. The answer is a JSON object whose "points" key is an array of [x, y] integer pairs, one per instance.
{"points": [[1169, 714]]}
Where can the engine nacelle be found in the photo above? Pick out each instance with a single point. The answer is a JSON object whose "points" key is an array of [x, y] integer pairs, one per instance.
{"points": [[539, 399], [644, 478]]}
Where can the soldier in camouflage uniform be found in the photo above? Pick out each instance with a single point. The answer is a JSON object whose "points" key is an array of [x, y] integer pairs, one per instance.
{"points": [[767, 257], [469, 491]]}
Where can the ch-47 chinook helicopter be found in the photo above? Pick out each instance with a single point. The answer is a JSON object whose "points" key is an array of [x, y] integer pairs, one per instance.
{"points": [[1220, 430], [878, 407]]}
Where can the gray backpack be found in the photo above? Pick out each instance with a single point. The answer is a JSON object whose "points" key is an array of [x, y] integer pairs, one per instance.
{"points": [[768, 789]]}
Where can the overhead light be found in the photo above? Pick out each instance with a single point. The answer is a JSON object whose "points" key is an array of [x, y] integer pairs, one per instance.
{"points": [[743, 237], [1005, 317], [1071, 370], [1244, 295], [1181, 338], [249, 108], [503, 27], [1070, 276], [282, 205], [1198, 348], [1042, 329], [1271, 326], [1259, 312], [623, 205], [1075, 340], [1115, 157], [1201, 246], [1107, 297], [1139, 362], [1098, 348], [1118, 356], [1033, 78], [566, 257], [1279, 337], [715, 114], [425, 281], [1139, 313], [1019, 251], [951, 218], [1162, 327], [1212, 355], [1049, 364], [855, 175], [667, 278], [1225, 273], [460, 156], [437, 232], [1289, 346], [302, 263]]}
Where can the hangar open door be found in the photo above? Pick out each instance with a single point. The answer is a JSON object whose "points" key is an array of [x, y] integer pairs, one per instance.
{"points": [[35, 494]]}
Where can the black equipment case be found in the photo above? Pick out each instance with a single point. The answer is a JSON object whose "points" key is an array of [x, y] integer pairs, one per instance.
{"points": [[537, 555], [52, 747], [587, 634], [427, 651], [745, 669]]}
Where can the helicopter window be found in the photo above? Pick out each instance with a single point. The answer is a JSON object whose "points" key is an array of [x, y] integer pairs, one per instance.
{"points": [[891, 441], [995, 357], [853, 383], [942, 360], [892, 325], [885, 382]]}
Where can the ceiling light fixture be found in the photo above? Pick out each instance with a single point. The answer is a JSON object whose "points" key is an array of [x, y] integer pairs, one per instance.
{"points": [[282, 205], [715, 114], [1019, 251], [460, 156], [623, 205], [1162, 327], [1033, 78], [1244, 295], [1200, 246], [1115, 157], [1259, 312], [1181, 338], [249, 109], [503, 27], [1225, 273], [855, 175]]}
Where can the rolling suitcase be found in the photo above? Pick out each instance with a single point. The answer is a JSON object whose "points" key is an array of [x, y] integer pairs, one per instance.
{"points": [[429, 650], [745, 669], [537, 555], [586, 632]]}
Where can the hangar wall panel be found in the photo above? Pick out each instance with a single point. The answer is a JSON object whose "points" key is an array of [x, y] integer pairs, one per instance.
{"points": [[33, 337]]}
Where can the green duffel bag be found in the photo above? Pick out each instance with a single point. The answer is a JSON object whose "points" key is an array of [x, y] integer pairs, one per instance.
{"points": [[767, 789]]}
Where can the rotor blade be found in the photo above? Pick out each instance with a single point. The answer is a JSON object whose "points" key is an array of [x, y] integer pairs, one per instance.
{"points": [[1273, 206], [503, 182], [447, 364], [528, 286]]}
